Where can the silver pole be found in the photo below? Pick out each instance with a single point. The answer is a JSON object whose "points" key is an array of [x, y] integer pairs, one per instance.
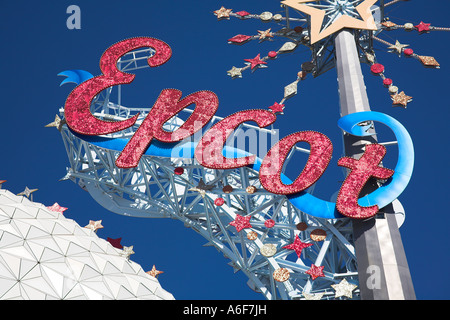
{"points": [[382, 266]]}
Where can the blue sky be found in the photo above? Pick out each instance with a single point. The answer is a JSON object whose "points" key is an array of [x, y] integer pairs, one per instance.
{"points": [[37, 46]]}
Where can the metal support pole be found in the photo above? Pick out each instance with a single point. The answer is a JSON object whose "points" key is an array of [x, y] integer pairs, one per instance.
{"points": [[382, 266]]}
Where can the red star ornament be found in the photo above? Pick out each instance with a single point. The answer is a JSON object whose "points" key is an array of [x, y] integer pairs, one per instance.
{"points": [[277, 108], [315, 271], [298, 246], [241, 222], [57, 208], [256, 61], [423, 27], [115, 242]]}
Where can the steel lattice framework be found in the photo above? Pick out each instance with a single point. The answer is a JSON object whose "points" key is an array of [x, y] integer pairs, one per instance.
{"points": [[153, 189]]}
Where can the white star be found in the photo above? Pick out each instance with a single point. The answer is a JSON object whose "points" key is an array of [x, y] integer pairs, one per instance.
{"points": [[94, 225], [27, 192], [343, 288], [235, 72], [127, 251], [313, 296], [398, 47], [57, 123]]}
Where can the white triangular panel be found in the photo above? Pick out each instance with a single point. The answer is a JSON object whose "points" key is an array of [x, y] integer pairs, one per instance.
{"points": [[6, 285], [44, 255], [8, 239], [13, 293]]}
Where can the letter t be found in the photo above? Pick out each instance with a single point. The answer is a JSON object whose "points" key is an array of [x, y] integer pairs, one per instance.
{"points": [[361, 171]]}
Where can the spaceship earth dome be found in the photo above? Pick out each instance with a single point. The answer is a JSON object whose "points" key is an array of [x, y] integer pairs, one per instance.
{"points": [[46, 256]]}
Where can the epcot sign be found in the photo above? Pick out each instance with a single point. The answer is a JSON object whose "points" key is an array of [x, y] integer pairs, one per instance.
{"points": [[209, 152]]}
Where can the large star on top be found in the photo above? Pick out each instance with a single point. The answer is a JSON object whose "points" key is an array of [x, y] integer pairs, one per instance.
{"points": [[339, 15]]}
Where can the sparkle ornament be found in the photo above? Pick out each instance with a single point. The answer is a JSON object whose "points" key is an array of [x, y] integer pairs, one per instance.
{"points": [[256, 62], [154, 273], [268, 250], [266, 16], [288, 46], [178, 171], [27, 192], [388, 24], [252, 235], [269, 223], [408, 26], [290, 90], [398, 47], [94, 225], [401, 99], [301, 226], [387, 81], [263, 35], [219, 202], [277, 108], [429, 61], [251, 189], [127, 252], [344, 289], [318, 235], [298, 246], [239, 39], [242, 14], [57, 123], [377, 68], [408, 52], [235, 72], [423, 27], [241, 222], [223, 13], [115, 242], [315, 272], [57, 208], [315, 296], [272, 54], [281, 274]]}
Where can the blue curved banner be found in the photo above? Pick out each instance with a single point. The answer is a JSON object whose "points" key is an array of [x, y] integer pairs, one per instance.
{"points": [[75, 76]]}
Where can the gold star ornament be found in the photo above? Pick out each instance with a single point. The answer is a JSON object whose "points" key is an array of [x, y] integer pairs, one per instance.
{"points": [[223, 13], [94, 225], [154, 273], [401, 99], [57, 123], [398, 47], [265, 34], [341, 20]]}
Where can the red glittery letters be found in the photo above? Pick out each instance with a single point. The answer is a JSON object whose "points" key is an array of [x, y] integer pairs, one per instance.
{"points": [[77, 108], [209, 150], [167, 106], [361, 170], [319, 158]]}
